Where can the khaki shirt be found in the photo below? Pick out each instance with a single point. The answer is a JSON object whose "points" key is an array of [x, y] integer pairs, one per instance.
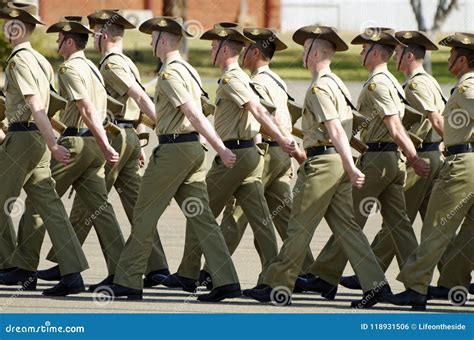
{"points": [[325, 101], [273, 93], [459, 112], [231, 120], [378, 99], [24, 76], [424, 94], [120, 73], [78, 81], [175, 86]]}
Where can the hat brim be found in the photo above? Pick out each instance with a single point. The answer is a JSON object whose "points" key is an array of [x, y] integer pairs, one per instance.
{"points": [[272, 38], [216, 34], [450, 42], [420, 39], [75, 27], [383, 39], [115, 19], [23, 16], [151, 25], [300, 36]]}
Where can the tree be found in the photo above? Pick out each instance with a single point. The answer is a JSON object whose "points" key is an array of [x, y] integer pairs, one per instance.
{"points": [[444, 8]]}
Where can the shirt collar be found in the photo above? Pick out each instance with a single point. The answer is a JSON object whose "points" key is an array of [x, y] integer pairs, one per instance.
{"points": [[416, 71], [261, 69], [465, 76], [321, 73], [25, 44], [114, 50], [77, 54], [378, 69], [231, 67]]}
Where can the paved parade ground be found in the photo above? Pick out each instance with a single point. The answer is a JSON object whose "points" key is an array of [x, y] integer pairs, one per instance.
{"points": [[163, 300]]}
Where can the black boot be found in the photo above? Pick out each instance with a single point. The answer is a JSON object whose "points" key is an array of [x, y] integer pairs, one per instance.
{"points": [[327, 290], [439, 293], [298, 288], [409, 298], [220, 293], [6, 270], [19, 277], [350, 282], [155, 277], [370, 298], [69, 284], [205, 280], [261, 293], [116, 290], [51, 274], [471, 289], [105, 282], [177, 281]]}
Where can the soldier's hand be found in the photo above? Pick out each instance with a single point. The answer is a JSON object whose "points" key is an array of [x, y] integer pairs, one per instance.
{"points": [[299, 155], [421, 167], [2, 136], [228, 157], [60, 154], [357, 178], [287, 144], [111, 156], [142, 158]]}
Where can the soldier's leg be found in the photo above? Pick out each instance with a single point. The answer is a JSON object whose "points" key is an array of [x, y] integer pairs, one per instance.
{"points": [[459, 262], [450, 202], [314, 189], [351, 239], [207, 232], [156, 191], [40, 189], [221, 182], [7, 244], [330, 263], [90, 187]]}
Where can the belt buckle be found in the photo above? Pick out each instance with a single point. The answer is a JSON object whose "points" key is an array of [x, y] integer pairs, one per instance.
{"points": [[175, 135], [238, 141]]}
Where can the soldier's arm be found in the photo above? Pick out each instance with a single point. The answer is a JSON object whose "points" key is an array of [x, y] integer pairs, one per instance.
{"points": [[437, 121], [2, 134], [204, 127], [400, 136], [41, 119], [340, 141], [143, 100], [94, 123], [264, 117]]}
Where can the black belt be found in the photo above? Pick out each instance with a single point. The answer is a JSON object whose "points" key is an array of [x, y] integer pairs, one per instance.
{"points": [[459, 148], [77, 132], [239, 143], [382, 146], [271, 143], [124, 124], [179, 138], [320, 150], [22, 126], [425, 147]]}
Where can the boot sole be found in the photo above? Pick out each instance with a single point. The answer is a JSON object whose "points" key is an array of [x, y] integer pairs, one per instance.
{"points": [[76, 290], [30, 287], [230, 295]]}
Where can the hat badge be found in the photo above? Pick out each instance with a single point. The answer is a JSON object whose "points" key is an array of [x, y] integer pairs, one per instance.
{"points": [[222, 33], [408, 35], [67, 27], [466, 41], [375, 37], [317, 30], [103, 16], [255, 32], [14, 13], [162, 23]]}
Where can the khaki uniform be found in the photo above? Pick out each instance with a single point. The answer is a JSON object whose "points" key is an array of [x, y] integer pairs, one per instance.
{"points": [[80, 79], [385, 174], [24, 163], [175, 170], [277, 171], [453, 193], [322, 190], [120, 73], [424, 94], [244, 180]]}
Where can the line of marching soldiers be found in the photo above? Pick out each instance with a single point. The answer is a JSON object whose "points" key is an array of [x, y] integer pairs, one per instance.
{"points": [[401, 169]]}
